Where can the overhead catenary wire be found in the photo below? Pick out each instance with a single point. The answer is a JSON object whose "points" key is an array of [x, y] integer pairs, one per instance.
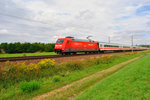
{"points": [[25, 19], [22, 18]]}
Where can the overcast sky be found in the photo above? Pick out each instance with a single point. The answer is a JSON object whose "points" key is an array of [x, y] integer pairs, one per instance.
{"points": [[47, 20]]}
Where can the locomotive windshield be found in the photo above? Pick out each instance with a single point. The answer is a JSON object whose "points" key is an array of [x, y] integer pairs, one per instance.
{"points": [[60, 41]]}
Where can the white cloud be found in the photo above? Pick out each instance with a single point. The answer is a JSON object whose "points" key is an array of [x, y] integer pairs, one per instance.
{"points": [[50, 19], [3, 31]]}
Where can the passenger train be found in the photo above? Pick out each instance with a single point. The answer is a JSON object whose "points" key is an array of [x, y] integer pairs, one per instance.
{"points": [[70, 45]]}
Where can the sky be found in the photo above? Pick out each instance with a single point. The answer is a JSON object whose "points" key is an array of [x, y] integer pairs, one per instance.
{"points": [[47, 20]]}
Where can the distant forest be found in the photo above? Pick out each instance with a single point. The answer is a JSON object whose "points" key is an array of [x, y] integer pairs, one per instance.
{"points": [[26, 47], [148, 46]]}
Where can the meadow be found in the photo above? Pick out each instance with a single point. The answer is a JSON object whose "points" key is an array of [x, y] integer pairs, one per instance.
{"points": [[130, 83], [27, 54], [25, 82]]}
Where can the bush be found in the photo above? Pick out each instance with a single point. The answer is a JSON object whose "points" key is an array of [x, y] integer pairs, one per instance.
{"points": [[46, 63], [97, 61], [129, 53], [29, 86], [76, 65], [106, 59], [56, 78]]}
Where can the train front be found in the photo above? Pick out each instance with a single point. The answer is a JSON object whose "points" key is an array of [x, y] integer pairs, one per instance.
{"points": [[59, 45]]}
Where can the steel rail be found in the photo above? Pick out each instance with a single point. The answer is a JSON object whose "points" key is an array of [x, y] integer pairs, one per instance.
{"points": [[4, 59]]}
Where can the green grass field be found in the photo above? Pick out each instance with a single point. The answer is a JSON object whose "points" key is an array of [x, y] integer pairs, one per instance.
{"points": [[130, 83], [47, 84], [27, 54]]}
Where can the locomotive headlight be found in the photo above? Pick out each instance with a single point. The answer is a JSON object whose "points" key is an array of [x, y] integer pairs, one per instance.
{"points": [[58, 45]]}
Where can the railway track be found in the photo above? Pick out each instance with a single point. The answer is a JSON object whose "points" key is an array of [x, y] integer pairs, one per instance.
{"points": [[4, 59]]}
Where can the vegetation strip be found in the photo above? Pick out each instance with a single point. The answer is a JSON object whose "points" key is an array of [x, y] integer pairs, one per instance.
{"points": [[74, 88], [130, 83], [4, 59]]}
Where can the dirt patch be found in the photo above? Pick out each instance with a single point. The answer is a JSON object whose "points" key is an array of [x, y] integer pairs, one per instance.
{"points": [[71, 90]]}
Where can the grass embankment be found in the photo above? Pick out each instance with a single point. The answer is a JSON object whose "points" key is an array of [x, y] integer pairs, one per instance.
{"points": [[130, 83], [27, 54], [60, 75], [77, 87]]}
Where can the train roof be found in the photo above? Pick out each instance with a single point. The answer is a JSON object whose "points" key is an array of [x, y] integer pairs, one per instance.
{"points": [[69, 37], [81, 40]]}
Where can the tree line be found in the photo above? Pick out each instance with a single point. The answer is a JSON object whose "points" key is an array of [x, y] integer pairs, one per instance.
{"points": [[26, 47], [148, 46]]}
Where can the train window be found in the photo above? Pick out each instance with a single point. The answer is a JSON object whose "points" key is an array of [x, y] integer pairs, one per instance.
{"points": [[101, 45], [67, 41], [126, 47], [111, 46], [60, 41], [106, 45], [116, 46]]}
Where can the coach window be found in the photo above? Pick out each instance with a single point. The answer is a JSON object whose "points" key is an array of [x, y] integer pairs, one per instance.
{"points": [[67, 41], [101, 45]]}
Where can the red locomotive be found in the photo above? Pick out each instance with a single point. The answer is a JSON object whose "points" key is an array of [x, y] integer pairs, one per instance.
{"points": [[70, 45]]}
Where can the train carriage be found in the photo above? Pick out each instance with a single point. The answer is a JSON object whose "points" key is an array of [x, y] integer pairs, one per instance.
{"points": [[70, 45], [104, 46]]}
